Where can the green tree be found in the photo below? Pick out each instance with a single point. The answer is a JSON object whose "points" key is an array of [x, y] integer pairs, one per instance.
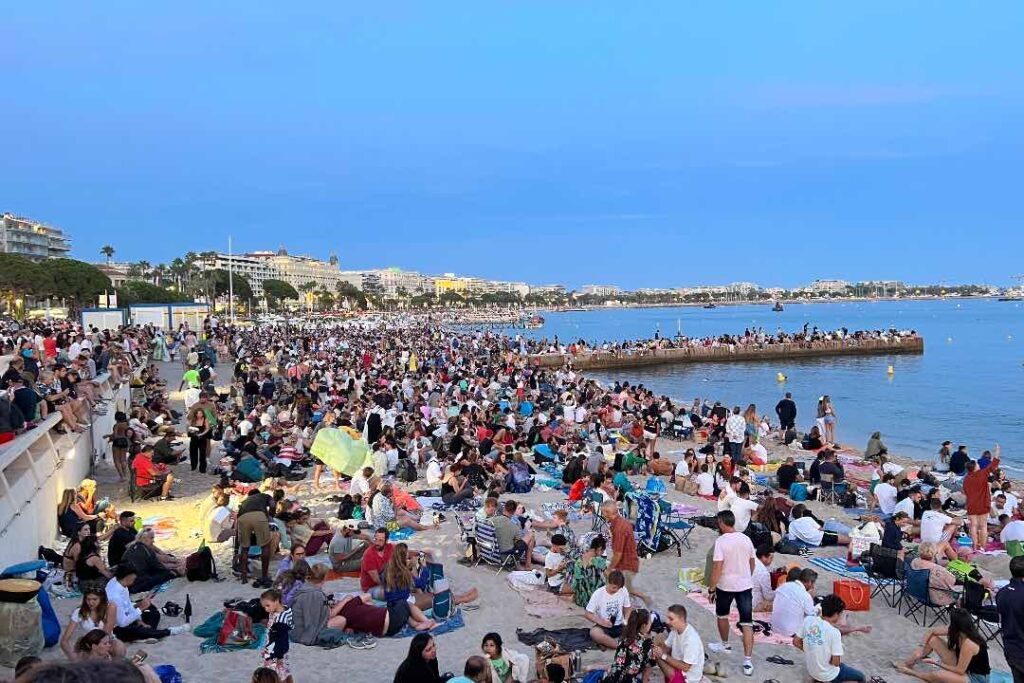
{"points": [[20, 276], [353, 295], [139, 292], [276, 291], [78, 282], [108, 252]]}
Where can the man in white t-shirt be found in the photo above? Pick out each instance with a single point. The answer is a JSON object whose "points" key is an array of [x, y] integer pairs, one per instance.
{"points": [[937, 527], [608, 609], [680, 656], [793, 601], [434, 472], [1012, 530], [732, 580], [220, 522], [885, 494], [742, 507], [806, 529], [360, 484], [822, 644]]}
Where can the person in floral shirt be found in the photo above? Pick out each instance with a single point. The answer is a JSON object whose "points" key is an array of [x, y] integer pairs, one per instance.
{"points": [[634, 655]]}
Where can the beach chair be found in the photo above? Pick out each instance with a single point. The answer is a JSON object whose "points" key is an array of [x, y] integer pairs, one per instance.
{"points": [[657, 528], [978, 603], [487, 549], [884, 567], [917, 599], [1015, 548], [830, 491]]}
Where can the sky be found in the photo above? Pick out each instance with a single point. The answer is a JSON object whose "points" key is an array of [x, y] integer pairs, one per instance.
{"points": [[646, 144]]}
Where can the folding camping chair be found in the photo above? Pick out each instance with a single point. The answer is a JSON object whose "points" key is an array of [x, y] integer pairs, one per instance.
{"points": [[658, 528], [885, 569], [487, 549], [917, 599], [829, 491], [979, 604]]}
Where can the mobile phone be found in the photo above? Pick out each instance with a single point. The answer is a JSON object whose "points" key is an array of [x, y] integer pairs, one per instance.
{"points": [[139, 657]]}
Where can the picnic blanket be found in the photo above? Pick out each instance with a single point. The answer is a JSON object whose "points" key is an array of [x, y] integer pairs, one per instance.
{"points": [[209, 629], [685, 509], [570, 639], [775, 639], [402, 534], [837, 565], [532, 587], [450, 624], [58, 594]]}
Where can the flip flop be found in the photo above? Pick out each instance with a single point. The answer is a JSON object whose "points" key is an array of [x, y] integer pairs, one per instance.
{"points": [[776, 659]]}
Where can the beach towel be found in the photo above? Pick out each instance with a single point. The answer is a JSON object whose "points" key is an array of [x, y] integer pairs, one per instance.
{"points": [[400, 535], [837, 565], [685, 509], [775, 639], [209, 629], [569, 639], [450, 624]]}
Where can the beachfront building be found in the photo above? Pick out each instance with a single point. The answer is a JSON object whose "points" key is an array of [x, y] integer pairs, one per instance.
{"points": [[548, 290], [32, 239], [117, 272], [828, 287], [254, 270], [449, 282], [600, 290]]}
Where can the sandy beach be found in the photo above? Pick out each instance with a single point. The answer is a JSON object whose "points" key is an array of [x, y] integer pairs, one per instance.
{"points": [[501, 608]]}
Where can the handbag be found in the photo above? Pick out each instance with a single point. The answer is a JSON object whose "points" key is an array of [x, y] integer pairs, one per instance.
{"points": [[855, 594]]}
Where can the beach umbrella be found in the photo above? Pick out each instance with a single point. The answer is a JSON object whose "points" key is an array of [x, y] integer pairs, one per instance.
{"points": [[342, 450]]}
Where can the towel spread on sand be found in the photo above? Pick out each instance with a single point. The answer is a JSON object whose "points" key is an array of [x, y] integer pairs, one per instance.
{"points": [[209, 629], [734, 618], [837, 565], [450, 624]]}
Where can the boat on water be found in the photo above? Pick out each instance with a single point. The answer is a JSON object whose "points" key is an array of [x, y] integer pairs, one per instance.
{"points": [[778, 307], [534, 322], [710, 306], [1011, 298]]}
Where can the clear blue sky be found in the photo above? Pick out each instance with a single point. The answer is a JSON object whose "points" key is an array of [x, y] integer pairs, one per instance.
{"points": [[650, 144]]}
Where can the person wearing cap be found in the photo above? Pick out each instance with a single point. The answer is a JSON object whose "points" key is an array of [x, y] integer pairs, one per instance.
{"points": [[347, 547]]}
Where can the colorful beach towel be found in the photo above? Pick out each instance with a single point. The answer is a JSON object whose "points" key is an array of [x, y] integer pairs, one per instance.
{"points": [[734, 618], [837, 565], [209, 629], [341, 449], [450, 624], [400, 535]]}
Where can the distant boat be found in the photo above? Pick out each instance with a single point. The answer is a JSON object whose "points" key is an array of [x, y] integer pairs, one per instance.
{"points": [[534, 322], [778, 307], [710, 306], [1011, 298]]}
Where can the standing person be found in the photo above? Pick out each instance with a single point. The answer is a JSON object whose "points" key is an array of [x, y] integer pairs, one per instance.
{"points": [[979, 499], [786, 412], [199, 433], [1010, 603], [624, 555], [732, 580], [961, 650], [275, 652], [822, 645], [827, 413], [680, 656], [735, 430], [253, 529]]}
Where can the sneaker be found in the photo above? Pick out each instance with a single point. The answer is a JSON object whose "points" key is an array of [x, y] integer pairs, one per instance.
{"points": [[720, 647], [748, 668], [178, 630]]}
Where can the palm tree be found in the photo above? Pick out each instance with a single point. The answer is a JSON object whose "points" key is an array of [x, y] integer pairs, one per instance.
{"points": [[158, 274], [107, 251], [177, 271], [144, 268]]}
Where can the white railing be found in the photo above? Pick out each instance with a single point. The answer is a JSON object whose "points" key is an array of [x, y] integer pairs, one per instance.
{"points": [[38, 465]]}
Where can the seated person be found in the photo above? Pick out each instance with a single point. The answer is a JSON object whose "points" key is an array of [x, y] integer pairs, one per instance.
{"points": [[385, 512], [830, 465], [764, 592], [555, 565], [893, 530], [794, 601], [608, 609], [152, 479], [807, 530], [939, 528], [152, 566], [219, 522], [941, 582], [511, 536], [401, 580], [347, 547], [961, 651], [312, 533], [315, 621], [660, 466], [165, 450]]}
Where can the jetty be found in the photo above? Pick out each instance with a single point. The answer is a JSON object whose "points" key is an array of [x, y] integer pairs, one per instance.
{"points": [[725, 353]]}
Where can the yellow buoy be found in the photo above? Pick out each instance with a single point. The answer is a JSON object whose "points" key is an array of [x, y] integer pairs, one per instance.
{"points": [[891, 370], [780, 377]]}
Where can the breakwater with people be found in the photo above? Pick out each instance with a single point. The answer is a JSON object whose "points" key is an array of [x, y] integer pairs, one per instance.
{"points": [[606, 360]]}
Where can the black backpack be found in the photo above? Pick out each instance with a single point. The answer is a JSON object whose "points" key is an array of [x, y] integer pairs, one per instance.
{"points": [[406, 471], [199, 566]]}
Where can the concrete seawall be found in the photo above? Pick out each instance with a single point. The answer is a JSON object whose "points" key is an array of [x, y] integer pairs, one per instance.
{"points": [[605, 360]]}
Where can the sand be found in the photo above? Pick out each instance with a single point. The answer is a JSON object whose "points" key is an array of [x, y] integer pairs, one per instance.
{"points": [[893, 636]]}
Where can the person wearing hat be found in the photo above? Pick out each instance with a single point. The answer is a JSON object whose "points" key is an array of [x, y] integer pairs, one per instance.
{"points": [[347, 546]]}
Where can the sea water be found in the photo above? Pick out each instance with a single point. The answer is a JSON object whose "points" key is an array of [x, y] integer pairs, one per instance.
{"points": [[968, 386]]}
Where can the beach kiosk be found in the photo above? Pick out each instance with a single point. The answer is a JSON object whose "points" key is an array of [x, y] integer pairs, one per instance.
{"points": [[169, 316]]}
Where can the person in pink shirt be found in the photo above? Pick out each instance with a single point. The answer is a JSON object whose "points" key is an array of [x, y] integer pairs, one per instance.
{"points": [[732, 579]]}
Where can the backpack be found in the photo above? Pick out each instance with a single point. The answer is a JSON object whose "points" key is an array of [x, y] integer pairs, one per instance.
{"points": [[519, 478], [798, 491], [573, 470], [758, 534], [346, 507], [236, 630], [406, 471], [199, 566]]}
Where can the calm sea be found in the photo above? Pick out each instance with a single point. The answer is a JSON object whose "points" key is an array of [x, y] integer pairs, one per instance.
{"points": [[968, 386]]}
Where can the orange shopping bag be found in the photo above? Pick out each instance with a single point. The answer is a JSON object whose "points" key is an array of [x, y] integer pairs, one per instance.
{"points": [[855, 594]]}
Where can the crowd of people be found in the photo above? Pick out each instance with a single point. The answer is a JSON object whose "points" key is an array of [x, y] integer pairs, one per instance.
{"points": [[467, 420]]}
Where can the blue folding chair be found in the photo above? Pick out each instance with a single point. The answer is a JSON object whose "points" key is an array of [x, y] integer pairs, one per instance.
{"points": [[487, 549]]}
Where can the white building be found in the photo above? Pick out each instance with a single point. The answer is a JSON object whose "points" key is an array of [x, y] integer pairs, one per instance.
{"points": [[32, 239], [829, 286], [599, 290], [258, 266]]}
